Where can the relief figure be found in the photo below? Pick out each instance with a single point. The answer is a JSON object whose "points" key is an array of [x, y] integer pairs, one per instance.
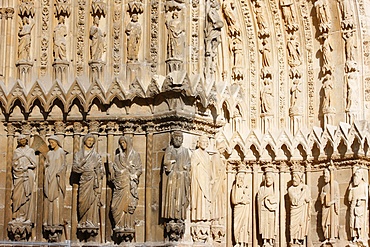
{"points": [[176, 37], [24, 34], [60, 41], [97, 41], [133, 32]]}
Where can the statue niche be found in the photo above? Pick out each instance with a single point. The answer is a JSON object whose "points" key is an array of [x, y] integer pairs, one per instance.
{"points": [[125, 173]]}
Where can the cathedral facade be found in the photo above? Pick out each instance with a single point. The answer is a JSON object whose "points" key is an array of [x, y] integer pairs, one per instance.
{"points": [[185, 123]]}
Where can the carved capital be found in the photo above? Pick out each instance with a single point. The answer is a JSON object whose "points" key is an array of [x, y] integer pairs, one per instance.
{"points": [[60, 127], [77, 128], [94, 127], [26, 8], [10, 129], [26, 129], [99, 7], [62, 7]]}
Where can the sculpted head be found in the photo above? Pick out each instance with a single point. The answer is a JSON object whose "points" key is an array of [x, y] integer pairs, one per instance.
{"points": [[177, 139], [22, 140], [54, 142], [297, 178], [240, 178], [357, 177], [203, 142], [221, 146], [326, 175], [89, 141], [134, 17], [269, 178]]}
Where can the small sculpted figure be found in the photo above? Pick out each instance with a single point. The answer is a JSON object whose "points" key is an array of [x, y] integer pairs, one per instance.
{"points": [[55, 183], [175, 186], [88, 163], [97, 41], [300, 206], [241, 201], [127, 169], [289, 14], [176, 37], [346, 9], [327, 89], [213, 27], [326, 49], [60, 41], [295, 92], [228, 9], [219, 182], [294, 52], [267, 96], [24, 34], [358, 198], [24, 163], [133, 32], [268, 204], [201, 178], [330, 207], [323, 15]]}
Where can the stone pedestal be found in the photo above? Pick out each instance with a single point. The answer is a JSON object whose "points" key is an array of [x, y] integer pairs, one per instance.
{"points": [[218, 233], [296, 118], [266, 121], [53, 233], [200, 231], [329, 115], [174, 64], [96, 70], [87, 234], [123, 234], [24, 71], [19, 230], [174, 230], [133, 71], [61, 70]]}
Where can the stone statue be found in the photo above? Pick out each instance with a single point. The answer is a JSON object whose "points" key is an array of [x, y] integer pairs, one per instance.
{"points": [[268, 205], [323, 15], [60, 41], [24, 45], [350, 50], [267, 96], [175, 186], [294, 52], [346, 10], [201, 178], [287, 7], [133, 32], [127, 169], [327, 88], [219, 182], [97, 41], [326, 50], [24, 163], [300, 208], [88, 163], [176, 37], [54, 183], [358, 197], [261, 19], [266, 54], [228, 9], [213, 27], [295, 92], [241, 200], [330, 207]]}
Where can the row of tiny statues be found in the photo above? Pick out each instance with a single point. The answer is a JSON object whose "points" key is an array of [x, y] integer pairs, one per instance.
{"points": [[205, 175], [124, 173]]}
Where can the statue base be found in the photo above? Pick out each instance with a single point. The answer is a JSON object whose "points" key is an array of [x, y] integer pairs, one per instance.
{"points": [[87, 233], [124, 234], [53, 233], [19, 230], [218, 233], [175, 230], [200, 232]]}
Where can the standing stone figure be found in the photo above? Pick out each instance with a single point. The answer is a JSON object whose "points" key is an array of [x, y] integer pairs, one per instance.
{"points": [[24, 163], [176, 186], [54, 183], [60, 41], [200, 182], [287, 8], [133, 32], [97, 40], [267, 96], [24, 45], [294, 52], [327, 88], [323, 15], [330, 207], [241, 200], [126, 172], [176, 37], [268, 204], [300, 205], [358, 198], [295, 92], [88, 163]]}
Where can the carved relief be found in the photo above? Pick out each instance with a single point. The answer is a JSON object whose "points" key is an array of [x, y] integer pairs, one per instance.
{"points": [[267, 96], [350, 51], [97, 46], [300, 207], [358, 198], [45, 38], [176, 187], [268, 204], [23, 166], [133, 32], [117, 37], [80, 37], [87, 162], [294, 52], [346, 10], [125, 174]]}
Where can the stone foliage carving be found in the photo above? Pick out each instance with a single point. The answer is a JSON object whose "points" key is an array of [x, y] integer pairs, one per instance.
{"points": [[241, 200], [176, 186], [133, 32], [60, 41], [88, 163], [97, 46], [24, 34], [358, 197], [126, 172], [300, 208], [330, 197], [268, 204]]}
